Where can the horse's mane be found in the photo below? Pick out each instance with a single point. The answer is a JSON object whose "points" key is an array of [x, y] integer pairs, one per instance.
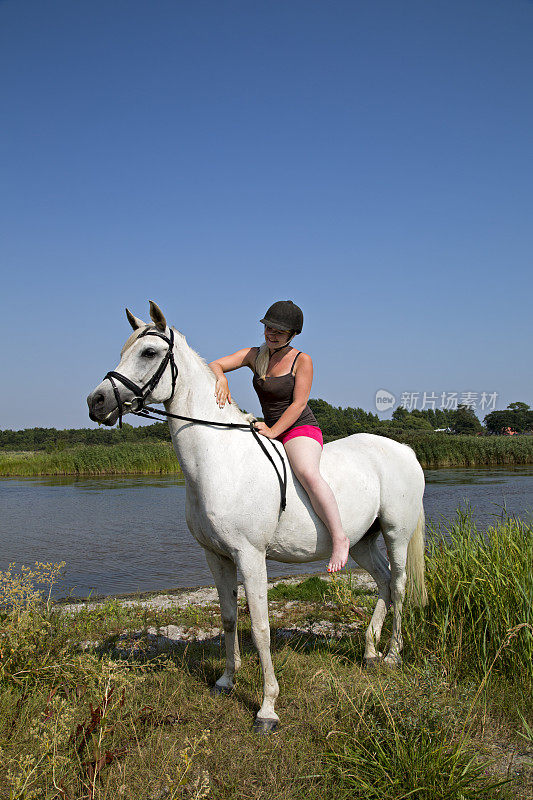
{"points": [[202, 363], [209, 373]]}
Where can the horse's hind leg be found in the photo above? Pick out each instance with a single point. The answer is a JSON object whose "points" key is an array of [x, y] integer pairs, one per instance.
{"points": [[368, 555], [397, 540], [225, 575]]}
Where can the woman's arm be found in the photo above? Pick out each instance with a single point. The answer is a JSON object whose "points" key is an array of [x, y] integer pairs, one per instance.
{"points": [[242, 358], [303, 378]]}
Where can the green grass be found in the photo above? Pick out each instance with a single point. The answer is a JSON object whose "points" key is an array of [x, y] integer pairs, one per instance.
{"points": [[118, 459], [453, 724], [314, 589], [157, 457], [387, 750]]}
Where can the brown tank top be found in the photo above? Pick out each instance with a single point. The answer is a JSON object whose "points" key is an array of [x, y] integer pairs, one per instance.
{"points": [[275, 395]]}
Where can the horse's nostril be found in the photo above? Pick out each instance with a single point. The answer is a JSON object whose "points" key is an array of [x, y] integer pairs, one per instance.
{"points": [[98, 400]]}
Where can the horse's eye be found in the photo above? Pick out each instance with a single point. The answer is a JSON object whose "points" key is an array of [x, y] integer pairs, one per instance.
{"points": [[148, 353]]}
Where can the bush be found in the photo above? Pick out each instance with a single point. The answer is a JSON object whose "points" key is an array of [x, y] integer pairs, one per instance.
{"points": [[69, 718]]}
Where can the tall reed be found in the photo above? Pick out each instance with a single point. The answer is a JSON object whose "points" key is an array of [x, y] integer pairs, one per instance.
{"points": [[118, 459], [133, 457], [442, 450], [479, 616]]}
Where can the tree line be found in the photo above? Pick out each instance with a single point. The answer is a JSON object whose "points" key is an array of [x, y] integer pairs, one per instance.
{"points": [[517, 417], [51, 439], [335, 422]]}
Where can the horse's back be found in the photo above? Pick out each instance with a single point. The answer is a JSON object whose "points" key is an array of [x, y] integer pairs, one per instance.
{"points": [[382, 470], [368, 453], [358, 468]]}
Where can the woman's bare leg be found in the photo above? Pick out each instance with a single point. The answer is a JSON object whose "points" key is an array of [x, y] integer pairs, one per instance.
{"points": [[304, 456]]}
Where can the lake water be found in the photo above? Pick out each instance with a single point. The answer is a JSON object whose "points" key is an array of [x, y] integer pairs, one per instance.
{"points": [[128, 534]]}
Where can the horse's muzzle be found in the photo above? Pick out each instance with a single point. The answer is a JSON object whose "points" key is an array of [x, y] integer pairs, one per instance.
{"points": [[102, 407]]}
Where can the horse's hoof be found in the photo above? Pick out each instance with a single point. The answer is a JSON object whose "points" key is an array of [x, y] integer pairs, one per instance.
{"points": [[392, 661], [372, 663], [265, 726], [217, 690]]}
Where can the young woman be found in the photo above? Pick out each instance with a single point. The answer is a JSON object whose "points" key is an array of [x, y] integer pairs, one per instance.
{"points": [[282, 380]]}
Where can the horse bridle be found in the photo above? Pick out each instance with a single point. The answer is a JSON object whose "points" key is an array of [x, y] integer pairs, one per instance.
{"points": [[138, 405], [141, 392]]}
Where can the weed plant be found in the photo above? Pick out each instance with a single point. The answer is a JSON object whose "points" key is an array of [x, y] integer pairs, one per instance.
{"points": [[479, 616], [29, 642], [68, 717]]}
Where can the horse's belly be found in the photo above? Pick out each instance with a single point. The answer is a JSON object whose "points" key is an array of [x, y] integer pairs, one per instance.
{"points": [[301, 535]]}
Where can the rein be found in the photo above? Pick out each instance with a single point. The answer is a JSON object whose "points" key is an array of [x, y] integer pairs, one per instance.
{"points": [[137, 405]]}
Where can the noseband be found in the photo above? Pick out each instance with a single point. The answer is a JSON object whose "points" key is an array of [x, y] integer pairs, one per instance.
{"points": [[141, 392], [137, 404]]}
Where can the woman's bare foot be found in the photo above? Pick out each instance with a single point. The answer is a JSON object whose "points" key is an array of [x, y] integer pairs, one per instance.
{"points": [[339, 556]]}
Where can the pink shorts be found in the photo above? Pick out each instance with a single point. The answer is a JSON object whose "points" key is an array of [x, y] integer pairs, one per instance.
{"points": [[303, 430]]}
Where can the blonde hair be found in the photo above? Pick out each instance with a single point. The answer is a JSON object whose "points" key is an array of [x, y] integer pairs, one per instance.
{"points": [[263, 357]]}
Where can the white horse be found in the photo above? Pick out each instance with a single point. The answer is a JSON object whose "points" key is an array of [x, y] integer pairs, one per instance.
{"points": [[233, 497]]}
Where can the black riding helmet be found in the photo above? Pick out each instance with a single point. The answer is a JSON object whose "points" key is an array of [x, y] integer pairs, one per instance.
{"points": [[284, 316]]}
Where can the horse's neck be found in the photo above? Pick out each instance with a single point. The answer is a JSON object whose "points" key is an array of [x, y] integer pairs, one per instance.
{"points": [[194, 395], [199, 447]]}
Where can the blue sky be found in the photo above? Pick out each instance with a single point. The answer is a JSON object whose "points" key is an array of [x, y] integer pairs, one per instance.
{"points": [[369, 159]]}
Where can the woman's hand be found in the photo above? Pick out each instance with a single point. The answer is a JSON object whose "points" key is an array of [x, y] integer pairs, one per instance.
{"points": [[241, 358], [222, 392], [264, 430]]}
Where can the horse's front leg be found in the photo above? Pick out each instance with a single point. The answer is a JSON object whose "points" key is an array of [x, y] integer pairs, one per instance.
{"points": [[225, 575], [252, 565]]}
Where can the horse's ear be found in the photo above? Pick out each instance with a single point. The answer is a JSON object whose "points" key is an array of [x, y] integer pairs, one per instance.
{"points": [[135, 322], [157, 316]]}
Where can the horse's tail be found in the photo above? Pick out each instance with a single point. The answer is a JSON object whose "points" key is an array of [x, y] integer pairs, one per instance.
{"points": [[415, 563]]}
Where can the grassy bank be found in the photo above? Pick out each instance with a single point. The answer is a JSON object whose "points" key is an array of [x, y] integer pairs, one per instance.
{"points": [[117, 459], [443, 450], [97, 721], [137, 458]]}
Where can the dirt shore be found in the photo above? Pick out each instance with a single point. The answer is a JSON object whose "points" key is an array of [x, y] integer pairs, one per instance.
{"points": [[201, 596]]}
